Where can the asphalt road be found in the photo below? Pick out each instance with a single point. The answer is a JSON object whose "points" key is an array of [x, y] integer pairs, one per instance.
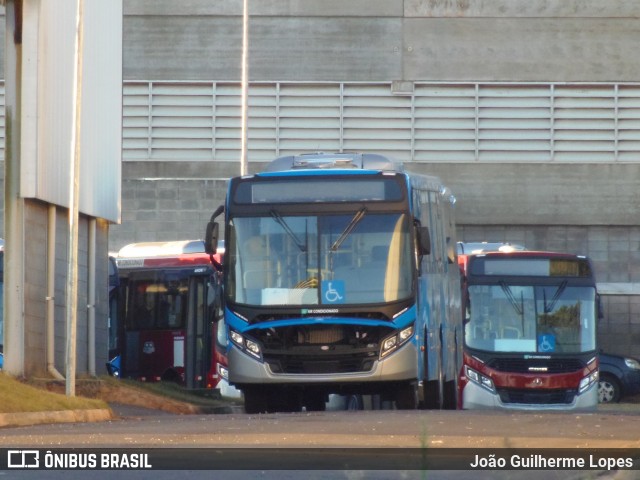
{"points": [[615, 426], [610, 427]]}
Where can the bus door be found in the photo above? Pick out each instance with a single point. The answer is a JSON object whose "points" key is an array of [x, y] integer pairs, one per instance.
{"points": [[155, 324], [115, 325], [199, 351]]}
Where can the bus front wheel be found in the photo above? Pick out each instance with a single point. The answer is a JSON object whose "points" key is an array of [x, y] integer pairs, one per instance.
{"points": [[406, 397], [354, 402], [315, 403], [254, 400], [450, 395], [431, 395]]}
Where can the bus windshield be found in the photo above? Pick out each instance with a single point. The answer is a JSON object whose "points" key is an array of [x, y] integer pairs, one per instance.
{"points": [[355, 258], [157, 302], [526, 318]]}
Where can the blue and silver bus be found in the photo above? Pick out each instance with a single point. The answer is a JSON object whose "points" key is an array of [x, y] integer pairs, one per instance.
{"points": [[340, 276]]}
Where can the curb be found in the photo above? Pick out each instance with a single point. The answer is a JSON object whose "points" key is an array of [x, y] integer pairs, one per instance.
{"points": [[64, 416]]}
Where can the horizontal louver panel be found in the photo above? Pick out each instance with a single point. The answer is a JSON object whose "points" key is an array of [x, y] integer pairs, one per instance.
{"points": [[308, 119], [444, 123], [185, 121], [376, 121]]}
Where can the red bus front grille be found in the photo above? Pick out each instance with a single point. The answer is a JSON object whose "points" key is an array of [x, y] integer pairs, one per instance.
{"points": [[537, 397], [523, 365]]}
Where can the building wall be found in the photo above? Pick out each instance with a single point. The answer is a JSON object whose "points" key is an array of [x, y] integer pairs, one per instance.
{"points": [[166, 209], [35, 307], [585, 202], [35, 290], [549, 204], [513, 153], [376, 40], [37, 128], [48, 101]]}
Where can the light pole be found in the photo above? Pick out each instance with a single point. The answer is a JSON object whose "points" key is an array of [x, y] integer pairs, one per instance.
{"points": [[244, 87], [74, 191]]}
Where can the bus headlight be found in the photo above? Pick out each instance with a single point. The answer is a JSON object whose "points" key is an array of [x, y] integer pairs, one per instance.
{"points": [[223, 372], [237, 338], [587, 381], [393, 342], [253, 348], [480, 379], [245, 344], [389, 344]]}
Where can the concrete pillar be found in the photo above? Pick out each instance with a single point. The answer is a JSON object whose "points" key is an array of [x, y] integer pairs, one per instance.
{"points": [[13, 204]]}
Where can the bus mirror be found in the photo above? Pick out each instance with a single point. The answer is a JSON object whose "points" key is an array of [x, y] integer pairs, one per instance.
{"points": [[211, 234], [211, 238], [451, 251], [599, 307], [424, 240]]}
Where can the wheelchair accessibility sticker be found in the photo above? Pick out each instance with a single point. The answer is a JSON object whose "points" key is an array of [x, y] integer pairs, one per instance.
{"points": [[333, 291], [546, 343]]}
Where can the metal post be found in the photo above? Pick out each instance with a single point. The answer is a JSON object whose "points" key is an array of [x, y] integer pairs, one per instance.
{"points": [[91, 300], [14, 331], [51, 292], [245, 81]]}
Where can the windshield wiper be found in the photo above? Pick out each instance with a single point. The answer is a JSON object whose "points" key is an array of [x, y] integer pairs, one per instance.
{"points": [[518, 307], [278, 218], [556, 296], [347, 231]]}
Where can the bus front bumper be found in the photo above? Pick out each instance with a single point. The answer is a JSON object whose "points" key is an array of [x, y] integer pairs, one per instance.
{"points": [[475, 396], [400, 365]]}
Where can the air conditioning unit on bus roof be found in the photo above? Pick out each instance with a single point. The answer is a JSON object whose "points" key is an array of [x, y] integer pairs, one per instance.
{"points": [[155, 249], [360, 161]]}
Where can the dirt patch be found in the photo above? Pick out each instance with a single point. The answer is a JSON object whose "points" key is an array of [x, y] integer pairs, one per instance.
{"points": [[114, 392], [132, 396]]}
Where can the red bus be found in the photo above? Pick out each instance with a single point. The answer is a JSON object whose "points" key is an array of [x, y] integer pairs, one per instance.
{"points": [[168, 309], [530, 331]]}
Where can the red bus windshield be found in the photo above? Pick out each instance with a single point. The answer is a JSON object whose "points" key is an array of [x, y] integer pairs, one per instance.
{"points": [[157, 304], [527, 318]]}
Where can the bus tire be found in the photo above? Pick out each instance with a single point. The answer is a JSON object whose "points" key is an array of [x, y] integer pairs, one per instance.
{"points": [[315, 403], [281, 399], [431, 395], [449, 394], [406, 397], [171, 376], [255, 400], [354, 402]]}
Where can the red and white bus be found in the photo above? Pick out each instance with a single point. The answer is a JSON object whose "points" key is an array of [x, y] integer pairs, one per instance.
{"points": [[168, 311], [530, 331]]}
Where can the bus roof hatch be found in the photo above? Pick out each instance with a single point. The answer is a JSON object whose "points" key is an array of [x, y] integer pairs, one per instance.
{"points": [[361, 161]]}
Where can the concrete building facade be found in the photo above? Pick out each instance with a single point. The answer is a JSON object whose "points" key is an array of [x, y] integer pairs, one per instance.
{"points": [[529, 110], [62, 128]]}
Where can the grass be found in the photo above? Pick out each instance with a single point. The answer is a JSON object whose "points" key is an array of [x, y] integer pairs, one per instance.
{"points": [[19, 397], [174, 391], [170, 392], [40, 395]]}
